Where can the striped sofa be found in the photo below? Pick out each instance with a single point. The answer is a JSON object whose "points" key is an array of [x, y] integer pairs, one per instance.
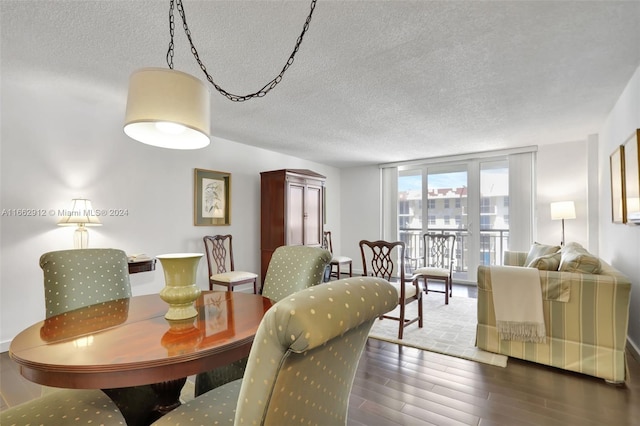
{"points": [[586, 319]]}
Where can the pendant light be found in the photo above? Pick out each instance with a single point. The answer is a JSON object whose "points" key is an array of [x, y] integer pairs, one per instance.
{"points": [[171, 109]]}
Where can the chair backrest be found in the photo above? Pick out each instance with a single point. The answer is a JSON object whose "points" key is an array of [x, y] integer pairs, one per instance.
{"points": [[306, 351], [77, 278], [219, 249], [383, 259], [294, 268], [326, 241], [438, 250]]}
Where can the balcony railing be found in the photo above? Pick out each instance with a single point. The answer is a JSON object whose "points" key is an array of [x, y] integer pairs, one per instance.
{"points": [[493, 243]]}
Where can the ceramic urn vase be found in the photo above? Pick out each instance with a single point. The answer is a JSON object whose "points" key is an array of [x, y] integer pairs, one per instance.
{"points": [[180, 290]]}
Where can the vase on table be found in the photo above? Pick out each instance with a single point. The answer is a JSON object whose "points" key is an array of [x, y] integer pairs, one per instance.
{"points": [[180, 290]]}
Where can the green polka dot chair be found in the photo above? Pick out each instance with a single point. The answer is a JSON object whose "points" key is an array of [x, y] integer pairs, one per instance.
{"points": [[77, 278], [65, 408], [291, 268], [302, 362], [74, 279]]}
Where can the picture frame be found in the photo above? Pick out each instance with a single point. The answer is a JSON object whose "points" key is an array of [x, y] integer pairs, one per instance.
{"points": [[211, 198], [618, 206], [632, 178]]}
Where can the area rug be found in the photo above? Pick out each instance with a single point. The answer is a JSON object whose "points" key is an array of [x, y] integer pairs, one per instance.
{"points": [[448, 329]]}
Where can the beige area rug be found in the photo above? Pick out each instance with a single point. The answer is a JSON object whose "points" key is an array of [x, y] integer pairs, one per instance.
{"points": [[448, 329]]}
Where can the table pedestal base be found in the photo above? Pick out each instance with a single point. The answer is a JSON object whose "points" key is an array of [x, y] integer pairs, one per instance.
{"points": [[168, 396]]}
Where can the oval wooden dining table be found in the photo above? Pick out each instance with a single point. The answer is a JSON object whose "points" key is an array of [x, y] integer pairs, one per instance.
{"points": [[128, 342]]}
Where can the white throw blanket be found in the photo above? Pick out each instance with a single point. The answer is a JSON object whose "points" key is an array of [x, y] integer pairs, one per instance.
{"points": [[517, 300]]}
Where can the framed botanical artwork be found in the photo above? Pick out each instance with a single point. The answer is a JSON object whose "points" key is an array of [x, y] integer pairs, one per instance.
{"points": [[632, 178], [211, 198], [616, 162]]}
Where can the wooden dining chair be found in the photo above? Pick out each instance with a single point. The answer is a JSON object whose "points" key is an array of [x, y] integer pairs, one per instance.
{"points": [[336, 261], [303, 360], [291, 269], [386, 260], [437, 262], [77, 278], [222, 271]]}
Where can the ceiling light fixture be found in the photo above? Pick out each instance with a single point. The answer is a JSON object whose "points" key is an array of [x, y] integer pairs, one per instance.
{"points": [[171, 109]]}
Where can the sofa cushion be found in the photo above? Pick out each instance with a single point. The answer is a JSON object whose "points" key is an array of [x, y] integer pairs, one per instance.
{"points": [[548, 262], [538, 250], [575, 258]]}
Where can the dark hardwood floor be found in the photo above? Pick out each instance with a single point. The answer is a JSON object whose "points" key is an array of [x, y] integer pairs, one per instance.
{"points": [[397, 385]]}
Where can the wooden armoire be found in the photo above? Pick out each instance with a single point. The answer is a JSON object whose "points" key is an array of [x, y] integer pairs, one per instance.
{"points": [[291, 211]]}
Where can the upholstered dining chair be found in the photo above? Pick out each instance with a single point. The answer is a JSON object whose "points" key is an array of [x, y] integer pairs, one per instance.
{"points": [[77, 278], [303, 360], [437, 262], [386, 260], [65, 407], [291, 269], [222, 271], [336, 261]]}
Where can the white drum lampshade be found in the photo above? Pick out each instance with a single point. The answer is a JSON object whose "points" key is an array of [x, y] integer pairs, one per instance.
{"points": [[168, 109]]}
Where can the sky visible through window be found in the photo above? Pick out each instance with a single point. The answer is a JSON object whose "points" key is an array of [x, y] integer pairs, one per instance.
{"points": [[436, 181]]}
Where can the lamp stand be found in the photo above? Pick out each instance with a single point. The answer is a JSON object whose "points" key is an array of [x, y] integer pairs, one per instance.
{"points": [[562, 242], [81, 237]]}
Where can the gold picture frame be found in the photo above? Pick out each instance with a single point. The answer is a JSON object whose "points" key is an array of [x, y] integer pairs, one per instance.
{"points": [[618, 207], [632, 178], [211, 198]]}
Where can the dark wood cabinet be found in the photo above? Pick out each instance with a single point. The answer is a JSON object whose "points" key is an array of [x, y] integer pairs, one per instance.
{"points": [[291, 211]]}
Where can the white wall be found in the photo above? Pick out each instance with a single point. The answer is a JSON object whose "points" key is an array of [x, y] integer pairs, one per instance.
{"points": [[561, 175], [66, 141], [620, 244]]}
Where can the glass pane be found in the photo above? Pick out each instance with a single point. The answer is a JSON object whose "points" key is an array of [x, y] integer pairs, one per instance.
{"points": [[410, 213], [447, 194], [494, 211]]}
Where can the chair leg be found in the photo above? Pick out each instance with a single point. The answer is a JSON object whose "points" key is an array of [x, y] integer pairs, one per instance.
{"points": [[419, 309], [350, 269], [401, 330], [447, 286], [255, 286]]}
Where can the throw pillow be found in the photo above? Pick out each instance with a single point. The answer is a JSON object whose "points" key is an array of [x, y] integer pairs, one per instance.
{"points": [[538, 250], [578, 259], [548, 262]]}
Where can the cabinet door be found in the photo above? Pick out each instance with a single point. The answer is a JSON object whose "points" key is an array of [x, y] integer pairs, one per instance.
{"points": [[313, 216], [295, 214]]}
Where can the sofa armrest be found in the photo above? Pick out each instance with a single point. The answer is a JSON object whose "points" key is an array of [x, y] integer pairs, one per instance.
{"points": [[514, 258]]}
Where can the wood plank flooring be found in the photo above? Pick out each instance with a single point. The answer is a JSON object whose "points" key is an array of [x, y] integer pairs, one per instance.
{"points": [[397, 385]]}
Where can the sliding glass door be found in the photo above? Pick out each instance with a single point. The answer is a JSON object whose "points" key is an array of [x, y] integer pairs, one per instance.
{"points": [[469, 199]]}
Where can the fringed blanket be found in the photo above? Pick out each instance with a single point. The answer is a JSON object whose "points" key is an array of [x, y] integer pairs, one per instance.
{"points": [[517, 300]]}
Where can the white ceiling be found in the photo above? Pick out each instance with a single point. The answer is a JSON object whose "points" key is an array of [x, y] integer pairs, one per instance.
{"points": [[373, 82]]}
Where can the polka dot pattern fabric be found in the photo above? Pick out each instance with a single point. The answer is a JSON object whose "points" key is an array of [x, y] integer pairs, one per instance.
{"points": [[65, 408], [303, 359], [294, 268], [77, 278]]}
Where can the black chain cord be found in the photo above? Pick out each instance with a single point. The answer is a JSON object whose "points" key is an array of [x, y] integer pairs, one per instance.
{"points": [[236, 98]]}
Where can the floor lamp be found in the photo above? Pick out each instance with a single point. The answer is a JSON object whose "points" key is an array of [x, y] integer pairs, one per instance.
{"points": [[562, 210]]}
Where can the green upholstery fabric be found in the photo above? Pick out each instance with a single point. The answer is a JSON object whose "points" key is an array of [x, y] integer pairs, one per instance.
{"points": [[77, 278], [65, 407], [292, 268], [303, 359]]}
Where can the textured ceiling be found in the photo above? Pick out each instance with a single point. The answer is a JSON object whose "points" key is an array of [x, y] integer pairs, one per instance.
{"points": [[373, 82]]}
